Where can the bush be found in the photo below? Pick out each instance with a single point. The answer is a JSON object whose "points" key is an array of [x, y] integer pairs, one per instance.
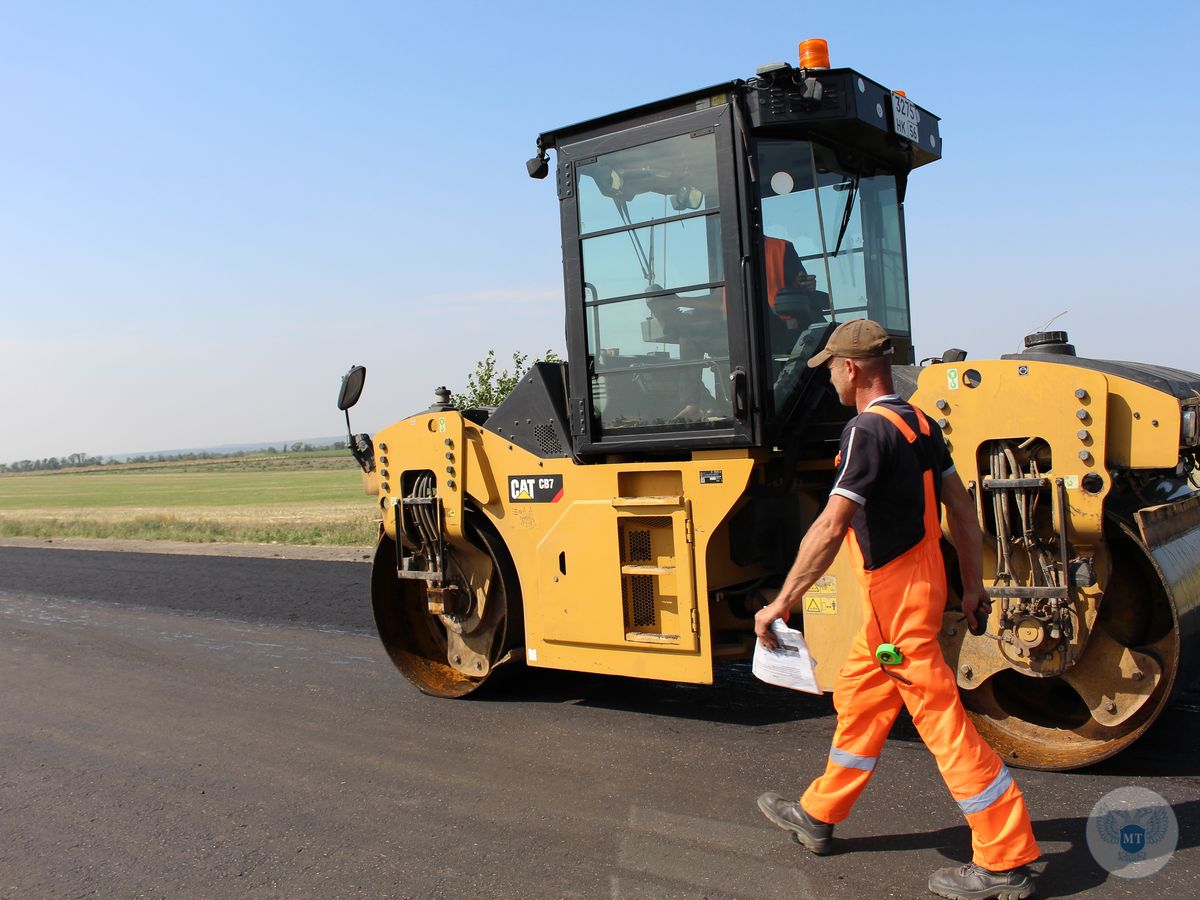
{"points": [[488, 387]]}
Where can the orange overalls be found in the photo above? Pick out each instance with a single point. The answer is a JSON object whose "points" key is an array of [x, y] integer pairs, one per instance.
{"points": [[904, 601]]}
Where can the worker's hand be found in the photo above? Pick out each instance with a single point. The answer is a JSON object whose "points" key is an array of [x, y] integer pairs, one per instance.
{"points": [[767, 615], [976, 606]]}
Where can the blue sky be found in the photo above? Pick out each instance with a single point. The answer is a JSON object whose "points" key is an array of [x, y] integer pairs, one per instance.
{"points": [[210, 210]]}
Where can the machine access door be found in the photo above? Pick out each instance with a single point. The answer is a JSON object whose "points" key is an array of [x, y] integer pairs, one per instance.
{"points": [[616, 591], [653, 281]]}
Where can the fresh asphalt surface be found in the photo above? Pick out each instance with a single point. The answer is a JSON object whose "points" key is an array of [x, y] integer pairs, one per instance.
{"points": [[204, 726]]}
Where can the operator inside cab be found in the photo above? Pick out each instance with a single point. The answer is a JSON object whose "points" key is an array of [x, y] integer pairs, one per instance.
{"points": [[792, 294]]}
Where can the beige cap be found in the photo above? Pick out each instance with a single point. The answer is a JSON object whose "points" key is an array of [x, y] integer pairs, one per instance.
{"points": [[858, 339]]}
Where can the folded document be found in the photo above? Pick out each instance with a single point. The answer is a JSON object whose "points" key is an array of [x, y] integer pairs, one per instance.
{"points": [[790, 665]]}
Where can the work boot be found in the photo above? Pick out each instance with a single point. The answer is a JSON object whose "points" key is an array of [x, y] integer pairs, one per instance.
{"points": [[789, 815], [972, 882]]}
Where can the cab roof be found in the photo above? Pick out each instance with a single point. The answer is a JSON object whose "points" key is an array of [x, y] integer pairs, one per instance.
{"points": [[838, 106]]}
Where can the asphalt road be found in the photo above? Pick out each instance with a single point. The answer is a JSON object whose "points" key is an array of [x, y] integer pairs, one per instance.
{"points": [[198, 726]]}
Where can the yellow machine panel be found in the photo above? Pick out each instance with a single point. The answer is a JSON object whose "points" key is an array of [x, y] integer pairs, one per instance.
{"points": [[832, 614], [1066, 408]]}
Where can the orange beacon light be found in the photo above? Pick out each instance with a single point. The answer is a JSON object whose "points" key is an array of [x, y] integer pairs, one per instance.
{"points": [[814, 54]]}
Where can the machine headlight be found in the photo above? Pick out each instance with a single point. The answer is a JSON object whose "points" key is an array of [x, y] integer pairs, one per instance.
{"points": [[1189, 426]]}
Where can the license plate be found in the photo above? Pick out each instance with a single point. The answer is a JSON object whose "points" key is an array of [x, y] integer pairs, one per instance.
{"points": [[906, 118]]}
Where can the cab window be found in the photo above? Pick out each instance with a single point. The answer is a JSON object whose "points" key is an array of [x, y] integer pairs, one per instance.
{"points": [[653, 286], [831, 252]]}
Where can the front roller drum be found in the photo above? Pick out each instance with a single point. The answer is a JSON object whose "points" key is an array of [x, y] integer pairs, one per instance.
{"points": [[450, 655], [1144, 639]]}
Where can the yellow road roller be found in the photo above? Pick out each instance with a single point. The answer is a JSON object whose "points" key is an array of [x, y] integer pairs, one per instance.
{"points": [[627, 511]]}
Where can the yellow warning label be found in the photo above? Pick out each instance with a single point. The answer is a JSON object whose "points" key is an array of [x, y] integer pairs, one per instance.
{"points": [[820, 606], [821, 599]]}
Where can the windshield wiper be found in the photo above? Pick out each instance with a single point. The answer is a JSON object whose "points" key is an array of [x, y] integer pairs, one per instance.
{"points": [[846, 214], [646, 262]]}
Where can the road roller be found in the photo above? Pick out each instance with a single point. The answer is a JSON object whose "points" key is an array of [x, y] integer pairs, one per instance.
{"points": [[627, 510]]}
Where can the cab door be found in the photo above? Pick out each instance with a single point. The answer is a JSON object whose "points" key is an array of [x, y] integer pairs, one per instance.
{"points": [[654, 272]]}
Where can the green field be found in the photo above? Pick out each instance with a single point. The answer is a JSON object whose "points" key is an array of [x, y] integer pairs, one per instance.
{"points": [[292, 498]]}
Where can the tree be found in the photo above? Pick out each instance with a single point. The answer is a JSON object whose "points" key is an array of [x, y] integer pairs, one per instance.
{"points": [[488, 387]]}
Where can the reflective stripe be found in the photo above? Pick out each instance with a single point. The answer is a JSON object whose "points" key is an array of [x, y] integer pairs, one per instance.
{"points": [[850, 761], [989, 794]]}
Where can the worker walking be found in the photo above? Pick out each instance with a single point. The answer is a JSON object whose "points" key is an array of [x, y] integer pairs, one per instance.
{"points": [[894, 472]]}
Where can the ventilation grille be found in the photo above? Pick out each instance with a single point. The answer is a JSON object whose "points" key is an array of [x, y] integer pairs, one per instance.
{"points": [[547, 439], [641, 592], [639, 546], [635, 539], [787, 101], [639, 601]]}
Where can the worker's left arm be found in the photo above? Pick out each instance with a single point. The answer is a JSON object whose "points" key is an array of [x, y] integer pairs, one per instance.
{"points": [[816, 553]]}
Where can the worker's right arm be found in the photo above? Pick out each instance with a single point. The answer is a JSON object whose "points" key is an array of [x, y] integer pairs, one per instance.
{"points": [[967, 540], [816, 553]]}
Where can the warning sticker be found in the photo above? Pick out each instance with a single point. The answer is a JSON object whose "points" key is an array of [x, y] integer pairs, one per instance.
{"points": [[821, 599], [535, 488]]}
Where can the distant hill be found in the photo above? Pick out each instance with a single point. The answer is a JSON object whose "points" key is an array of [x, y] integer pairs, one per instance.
{"points": [[228, 448]]}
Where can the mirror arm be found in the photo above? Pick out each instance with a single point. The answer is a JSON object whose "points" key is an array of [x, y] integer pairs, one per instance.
{"points": [[361, 447]]}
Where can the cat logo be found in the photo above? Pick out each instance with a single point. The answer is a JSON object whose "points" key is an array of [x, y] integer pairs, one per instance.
{"points": [[535, 488]]}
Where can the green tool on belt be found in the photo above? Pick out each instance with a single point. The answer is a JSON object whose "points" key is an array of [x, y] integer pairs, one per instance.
{"points": [[888, 655]]}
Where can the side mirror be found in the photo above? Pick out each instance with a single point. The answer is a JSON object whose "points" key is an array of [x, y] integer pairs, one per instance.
{"points": [[361, 447], [352, 385]]}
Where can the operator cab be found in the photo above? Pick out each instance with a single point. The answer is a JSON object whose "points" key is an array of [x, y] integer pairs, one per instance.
{"points": [[712, 241]]}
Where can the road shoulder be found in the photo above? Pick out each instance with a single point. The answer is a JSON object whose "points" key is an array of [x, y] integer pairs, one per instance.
{"points": [[187, 548]]}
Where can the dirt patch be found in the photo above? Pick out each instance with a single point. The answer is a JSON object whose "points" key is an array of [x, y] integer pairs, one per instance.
{"points": [[254, 551]]}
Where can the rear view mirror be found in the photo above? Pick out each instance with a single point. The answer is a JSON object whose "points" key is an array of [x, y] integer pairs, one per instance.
{"points": [[360, 446], [352, 385]]}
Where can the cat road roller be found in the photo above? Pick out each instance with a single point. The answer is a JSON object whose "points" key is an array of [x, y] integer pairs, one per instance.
{"points": [[626, 512]]}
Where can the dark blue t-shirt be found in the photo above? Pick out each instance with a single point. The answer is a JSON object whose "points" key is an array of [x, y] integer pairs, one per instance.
{"points": [[883, 473]]}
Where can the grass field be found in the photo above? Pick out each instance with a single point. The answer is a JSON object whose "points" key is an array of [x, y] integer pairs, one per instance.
{"points": [[287, 498]]}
